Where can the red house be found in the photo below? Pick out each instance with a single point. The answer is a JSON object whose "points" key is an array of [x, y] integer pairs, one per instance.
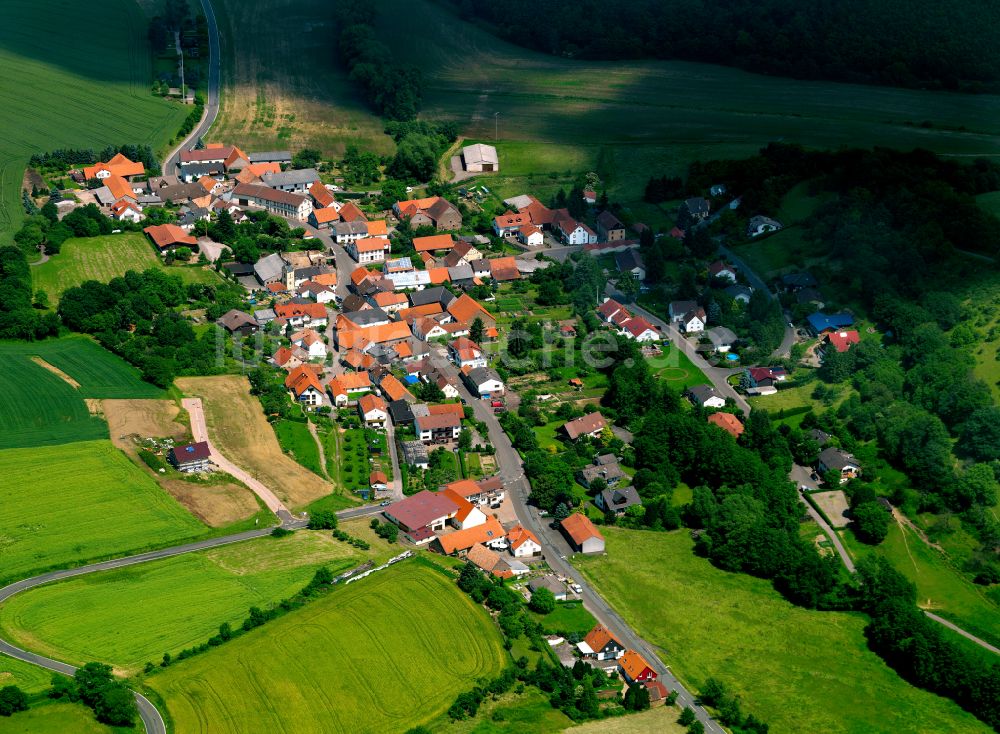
{"points": [[634, 667]]}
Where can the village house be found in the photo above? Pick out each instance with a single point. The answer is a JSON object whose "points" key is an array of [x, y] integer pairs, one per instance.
{"points": [[757, 377], [433, 243], [842, 341], [294, 181], [582, 534], [706, 396], [617, 499], [490, 533], [609, 227], [522, 543], [640, 330], [530, 236], [127, 211], [821, 323], [168, 237], [466, 353], [288, 359], [508, 223], [570, 231], [722, 338], [311, 342], [608, 470], [487, 491], [728, 423], [119, 166], [325, 218], [282, 203], [601, 644], [378, 481], [696, 208], [373, 411], [832, 459], [303, 314], [721, 270], [493, 563], [305, 386], [434, 211], [591, 425], [424, 510], [192, 457], [368, 250], [468, 515], [739, 293], [503, 269], [759, 225], [635, 669], [630, 261], [693, 321], [235, 321], [434, 429], [484, 382], [553, 584]]}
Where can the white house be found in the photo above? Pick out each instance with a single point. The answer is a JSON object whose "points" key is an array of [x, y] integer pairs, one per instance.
{"points": [[722, 338], [639, 329], [466, 353], [126, 211], [484, 381], [311, 342], [368, 249], [706, 396], [581, 234], [522, 543], [373, 410], [762, 225], [530, 235], [693, 321], [719, 269]]}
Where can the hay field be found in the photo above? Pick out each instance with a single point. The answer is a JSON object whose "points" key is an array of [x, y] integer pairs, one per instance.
{"points": [[239, 430]]}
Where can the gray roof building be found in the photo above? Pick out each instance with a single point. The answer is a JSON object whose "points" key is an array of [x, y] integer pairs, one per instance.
{"points": [[437, 294], [618, 500], [269, 269], [271, 156], [265, 315], [367, 317], [297, 179], [415, 453]]}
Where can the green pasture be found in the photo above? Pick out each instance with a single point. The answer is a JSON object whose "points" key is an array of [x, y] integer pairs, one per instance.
{"points": [[409, 622], [75, 75], [103, 258], [795, 668], [940, 588], [81, 619], [64, 505], [675, 368], [55, 718], [297, 442], [567, 618]]}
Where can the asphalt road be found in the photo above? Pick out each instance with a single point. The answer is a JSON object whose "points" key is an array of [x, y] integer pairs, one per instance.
{"points": [[556, 549], [784, 349], [212, 96], [802, 476]]}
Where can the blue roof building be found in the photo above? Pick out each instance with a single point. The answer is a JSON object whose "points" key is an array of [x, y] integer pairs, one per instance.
{"points": [[820, 322]]}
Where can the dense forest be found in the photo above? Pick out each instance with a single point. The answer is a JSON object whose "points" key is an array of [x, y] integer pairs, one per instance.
{"points": [[908, 43]]}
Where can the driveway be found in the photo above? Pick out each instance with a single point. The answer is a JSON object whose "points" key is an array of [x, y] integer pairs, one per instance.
{"points": [[784, 350], [199, 430], [212, 96], [801, 475]]}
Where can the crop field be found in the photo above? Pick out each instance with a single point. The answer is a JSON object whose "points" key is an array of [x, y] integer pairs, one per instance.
{"points": [[81, 619], [322, 662], [239, 429], [79, 501], [795, 668], [58, 91], [103, 258], [98, 372], [274, 101], [40, 408]]}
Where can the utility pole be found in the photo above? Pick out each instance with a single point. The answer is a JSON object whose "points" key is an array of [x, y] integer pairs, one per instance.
{"points": [[496, 126]]}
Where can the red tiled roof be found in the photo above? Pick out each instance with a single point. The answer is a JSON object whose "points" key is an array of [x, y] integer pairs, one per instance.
{"points": [[728, 423], [580, 528], [463, 539], [433, 242], [584, 425], [421, 509], [842, 340], [169, 235]]}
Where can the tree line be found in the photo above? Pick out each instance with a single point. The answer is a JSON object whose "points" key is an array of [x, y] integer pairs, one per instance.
{"points": [[393, 90], [908, 43]]}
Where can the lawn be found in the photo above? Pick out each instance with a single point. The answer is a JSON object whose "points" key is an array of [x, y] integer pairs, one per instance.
{"points": [[626, 119], [798, 670], [79, 502], [58, 92], [297, 442], [511, 714], [323, 660], [780, 252], [40, 408], [98, 372], [82, 619], [940, 588], [104, 258], [569, 617], [676, 368]]}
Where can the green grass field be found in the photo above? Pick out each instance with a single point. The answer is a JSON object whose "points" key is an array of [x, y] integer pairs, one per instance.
{"points": [[796, 669], [40, 408], [55, 718], [627, 119], [568, 617], [382, 655], [100, 373], [80, 82], [81, 619], [104, 258], [297, 442], [676, 368], [940, 588], [80, 501]]}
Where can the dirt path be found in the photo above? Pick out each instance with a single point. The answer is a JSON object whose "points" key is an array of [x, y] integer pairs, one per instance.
{"points": [[200, 432], [56, 371], [903, 520], [322, 450]]}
